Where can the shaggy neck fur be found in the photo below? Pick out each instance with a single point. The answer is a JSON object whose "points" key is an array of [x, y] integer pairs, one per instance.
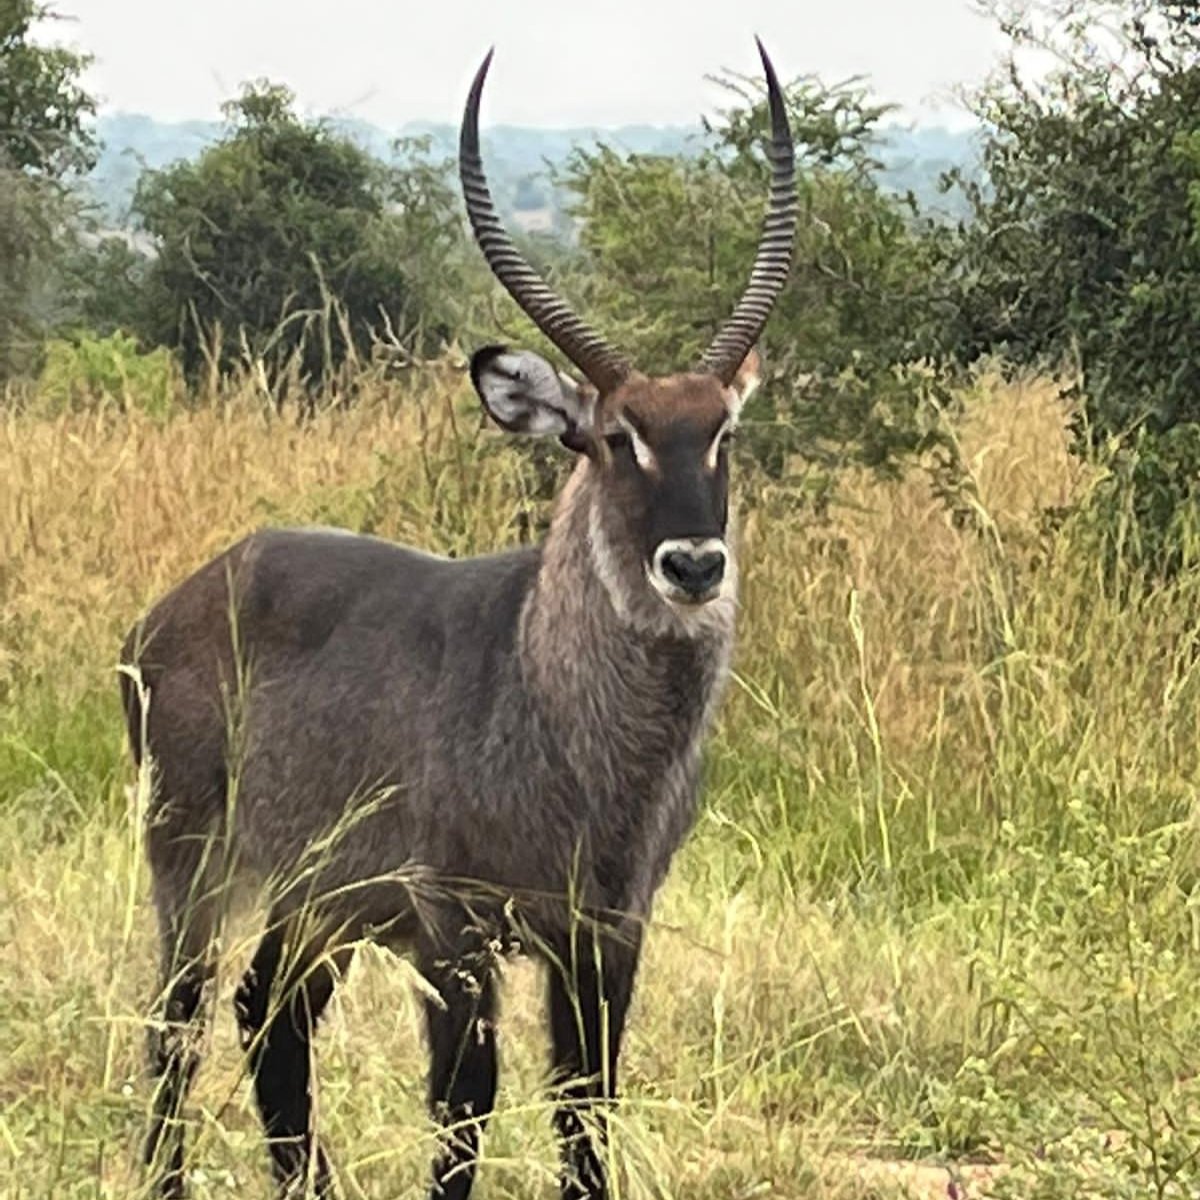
{"points": [[630, 680]]}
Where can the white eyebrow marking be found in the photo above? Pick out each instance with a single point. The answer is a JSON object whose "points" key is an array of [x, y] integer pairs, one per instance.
{"points": [[714, 447], [641, 452]]}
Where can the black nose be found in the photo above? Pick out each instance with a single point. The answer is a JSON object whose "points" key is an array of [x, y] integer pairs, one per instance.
{"points": [[696, 574]]}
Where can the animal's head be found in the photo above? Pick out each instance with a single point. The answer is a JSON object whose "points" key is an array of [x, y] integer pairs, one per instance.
{"points": [[657, 448]]}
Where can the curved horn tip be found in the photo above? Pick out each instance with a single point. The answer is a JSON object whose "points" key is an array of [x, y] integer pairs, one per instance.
{"points": [[762, 53], [775, 99], [468, 134], [481, 75]]}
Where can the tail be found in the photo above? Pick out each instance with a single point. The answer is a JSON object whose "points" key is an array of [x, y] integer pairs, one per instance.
{"points": [[134, 692]]}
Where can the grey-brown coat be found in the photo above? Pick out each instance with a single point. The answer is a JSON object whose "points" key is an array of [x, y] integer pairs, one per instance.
{"points": [[452, 755]]}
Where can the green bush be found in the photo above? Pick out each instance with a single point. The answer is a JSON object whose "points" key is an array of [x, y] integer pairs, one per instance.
{"points": [[288, 245], [94, 372], [1085, 247]]}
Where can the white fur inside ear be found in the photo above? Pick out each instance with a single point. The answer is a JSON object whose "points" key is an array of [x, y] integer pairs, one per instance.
{"points": [[524, 394], [733, 405], [745, 384], [749, 387]]}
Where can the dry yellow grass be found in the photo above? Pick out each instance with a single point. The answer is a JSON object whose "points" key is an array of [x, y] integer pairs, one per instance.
{"points": [[817, 998], [102, 512]]}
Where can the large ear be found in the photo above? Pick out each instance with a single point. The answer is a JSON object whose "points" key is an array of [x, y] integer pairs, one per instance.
{"points": [[523, 393], [745, 381]]}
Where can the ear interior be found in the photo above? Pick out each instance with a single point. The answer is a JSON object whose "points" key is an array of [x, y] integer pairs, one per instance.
{"points": [[745, 381], [524, 394]]}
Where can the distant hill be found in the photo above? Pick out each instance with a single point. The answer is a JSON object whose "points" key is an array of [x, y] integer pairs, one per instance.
{"points": [[518, 157]]}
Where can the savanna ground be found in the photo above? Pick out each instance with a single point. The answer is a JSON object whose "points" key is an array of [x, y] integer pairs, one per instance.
{"points": [[936, 933]]}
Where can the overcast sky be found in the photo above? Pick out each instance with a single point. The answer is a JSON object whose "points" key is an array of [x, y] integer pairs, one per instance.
{"points": [[558, 62]]}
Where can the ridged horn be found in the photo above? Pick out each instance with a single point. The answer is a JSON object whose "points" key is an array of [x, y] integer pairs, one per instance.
{"points": [[774, 258], [576, 339]]}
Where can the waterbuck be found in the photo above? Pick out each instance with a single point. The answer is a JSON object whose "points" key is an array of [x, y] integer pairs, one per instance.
{"points": [[453, 756]]}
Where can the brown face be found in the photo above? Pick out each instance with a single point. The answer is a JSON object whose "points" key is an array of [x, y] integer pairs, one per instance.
{"points": [[664, 449], [661, 446]]}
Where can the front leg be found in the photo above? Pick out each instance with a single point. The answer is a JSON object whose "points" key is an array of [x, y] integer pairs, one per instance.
{"points": [[462, 1045], [591, 984]]}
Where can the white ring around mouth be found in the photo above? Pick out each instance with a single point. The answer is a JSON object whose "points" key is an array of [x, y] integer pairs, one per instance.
{"points": [[695, 546]]}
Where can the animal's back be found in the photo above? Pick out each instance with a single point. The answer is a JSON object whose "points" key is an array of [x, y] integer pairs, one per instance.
{"points": [[303, 669]]}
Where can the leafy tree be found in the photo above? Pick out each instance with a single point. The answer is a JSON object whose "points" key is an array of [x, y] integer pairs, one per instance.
{"points": [[666, 244], [44, 139], [103, 283], [44, 111], [90, 372], [1086, 244], [290, 237]]}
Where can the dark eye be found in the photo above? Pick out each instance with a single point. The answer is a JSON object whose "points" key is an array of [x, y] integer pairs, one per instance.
{"points": [[617, 441]]}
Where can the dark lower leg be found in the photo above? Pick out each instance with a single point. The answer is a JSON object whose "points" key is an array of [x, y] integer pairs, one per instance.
{"points": [[277, 1030], [174, 1056], [590, 990], [462, 1044]]}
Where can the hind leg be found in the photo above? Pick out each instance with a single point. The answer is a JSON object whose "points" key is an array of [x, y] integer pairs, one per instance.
{"points": [[277, 1024], [188, 918]]}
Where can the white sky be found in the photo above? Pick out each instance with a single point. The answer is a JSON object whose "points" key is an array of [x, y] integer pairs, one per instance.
{"points": [[558, 62]]}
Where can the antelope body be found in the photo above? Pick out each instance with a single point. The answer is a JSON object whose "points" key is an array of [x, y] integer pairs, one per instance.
{"points": [[449, 755]]}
